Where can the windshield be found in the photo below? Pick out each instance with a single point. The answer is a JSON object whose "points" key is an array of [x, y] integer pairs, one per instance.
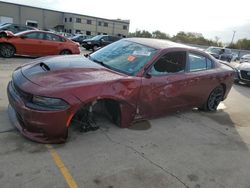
{"points": [[124, 56], [214, 50]]}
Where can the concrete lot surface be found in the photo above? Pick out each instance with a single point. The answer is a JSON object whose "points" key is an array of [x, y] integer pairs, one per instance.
{"points": [[189, 149]]}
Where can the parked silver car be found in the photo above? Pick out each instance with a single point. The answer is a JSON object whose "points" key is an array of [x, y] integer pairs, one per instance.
{"points": [[245, 58]]}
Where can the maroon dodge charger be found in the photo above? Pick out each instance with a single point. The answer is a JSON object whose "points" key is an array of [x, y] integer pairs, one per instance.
{"points": [[129, 80]]}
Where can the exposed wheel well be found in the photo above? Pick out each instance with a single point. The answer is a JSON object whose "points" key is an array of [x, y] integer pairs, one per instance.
{"points": [[61, 52], [107, 107]]}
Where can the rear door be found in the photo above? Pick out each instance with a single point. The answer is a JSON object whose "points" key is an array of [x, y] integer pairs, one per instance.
{"points": [[201, 78], [54, 44]]}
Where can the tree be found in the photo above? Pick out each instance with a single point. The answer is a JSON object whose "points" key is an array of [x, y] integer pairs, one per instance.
{"points": [[160, 35], [139, 33]]}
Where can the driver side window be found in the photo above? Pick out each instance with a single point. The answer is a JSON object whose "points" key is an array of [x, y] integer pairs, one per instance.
{"points": [[172, 62]]}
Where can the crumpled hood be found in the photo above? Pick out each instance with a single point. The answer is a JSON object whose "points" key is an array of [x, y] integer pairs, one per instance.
{"points": [[244, 66], [63, 71]]}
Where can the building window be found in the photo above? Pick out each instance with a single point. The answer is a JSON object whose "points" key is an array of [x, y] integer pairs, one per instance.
{"points": [[89, 22], [78, 20], [78, 31], [125, 27], [88, 32], [105, 24], [31, 23], [100, 23], [98, 33], [70, 19], [65, 19], [70, 31], [104, 33]]}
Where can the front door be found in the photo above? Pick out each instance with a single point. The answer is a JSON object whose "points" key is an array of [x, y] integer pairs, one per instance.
{"points": [[30, 44], [164, 88]]}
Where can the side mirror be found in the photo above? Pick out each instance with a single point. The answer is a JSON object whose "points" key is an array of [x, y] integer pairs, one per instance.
{"points": [[148, 76]]}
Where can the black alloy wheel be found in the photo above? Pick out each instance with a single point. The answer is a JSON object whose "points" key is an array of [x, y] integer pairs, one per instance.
{"points": [[214, 99], [7, 50]]}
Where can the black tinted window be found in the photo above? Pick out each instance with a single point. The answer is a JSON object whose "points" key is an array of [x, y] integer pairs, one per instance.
{"points": [[198, 62], [173, 62]]}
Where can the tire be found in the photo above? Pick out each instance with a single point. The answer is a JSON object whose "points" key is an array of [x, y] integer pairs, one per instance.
{"points": [[236, 81], [214, 99], [7, 50], [65, 52], [94, 48]]}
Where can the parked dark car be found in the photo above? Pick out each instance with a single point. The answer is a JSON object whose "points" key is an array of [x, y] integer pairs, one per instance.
{"points": [[129, 80], [15, 28], [99, 41], [223, 54], [80, 38], [242, 73]]}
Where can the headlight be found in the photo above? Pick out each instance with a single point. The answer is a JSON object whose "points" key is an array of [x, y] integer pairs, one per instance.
{"points": [[88, 42], [47, 103]]}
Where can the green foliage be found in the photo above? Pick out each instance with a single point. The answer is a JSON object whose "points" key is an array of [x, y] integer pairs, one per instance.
{"points": [[193, 38], [190, 38], [160, 35], [142, 34], [241, 44], [182, 37]]}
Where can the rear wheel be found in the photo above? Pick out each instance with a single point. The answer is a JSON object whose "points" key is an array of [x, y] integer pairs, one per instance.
{"points": [[214, 99], [7, 50], [65, 52]]}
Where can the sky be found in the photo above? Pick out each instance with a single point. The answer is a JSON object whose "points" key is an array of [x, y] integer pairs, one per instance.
{"points": [[211, 18]]}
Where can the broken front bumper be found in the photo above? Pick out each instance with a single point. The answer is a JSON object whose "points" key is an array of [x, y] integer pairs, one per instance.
{"points": [[39, 126]]}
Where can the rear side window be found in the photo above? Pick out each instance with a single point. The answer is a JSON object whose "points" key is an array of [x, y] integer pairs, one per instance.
{"points": [[52, 37], [172, 62], [198, 62]]}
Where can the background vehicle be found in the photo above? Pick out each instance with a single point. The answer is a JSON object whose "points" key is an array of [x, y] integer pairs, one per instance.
{"points": [[80, 38], [99, 41], [245, 58], [128, 80], [223, 54], [15, 28], [36, 43], [242, 73]]}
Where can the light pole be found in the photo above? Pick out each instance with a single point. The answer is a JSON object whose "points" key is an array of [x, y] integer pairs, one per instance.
{"points": [[233, 38]]}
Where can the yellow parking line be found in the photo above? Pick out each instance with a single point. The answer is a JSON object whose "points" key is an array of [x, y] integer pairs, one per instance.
{"points": [[63, 169]]}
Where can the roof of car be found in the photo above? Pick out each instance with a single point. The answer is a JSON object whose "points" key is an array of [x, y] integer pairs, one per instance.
{"points": [[41, 31], [158, 43]]}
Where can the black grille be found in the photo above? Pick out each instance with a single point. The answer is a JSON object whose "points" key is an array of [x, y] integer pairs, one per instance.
{"points": [[244, 75], [24, 95]]}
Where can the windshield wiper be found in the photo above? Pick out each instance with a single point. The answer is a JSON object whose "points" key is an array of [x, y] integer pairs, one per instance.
{"points": [[97, 61]]}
